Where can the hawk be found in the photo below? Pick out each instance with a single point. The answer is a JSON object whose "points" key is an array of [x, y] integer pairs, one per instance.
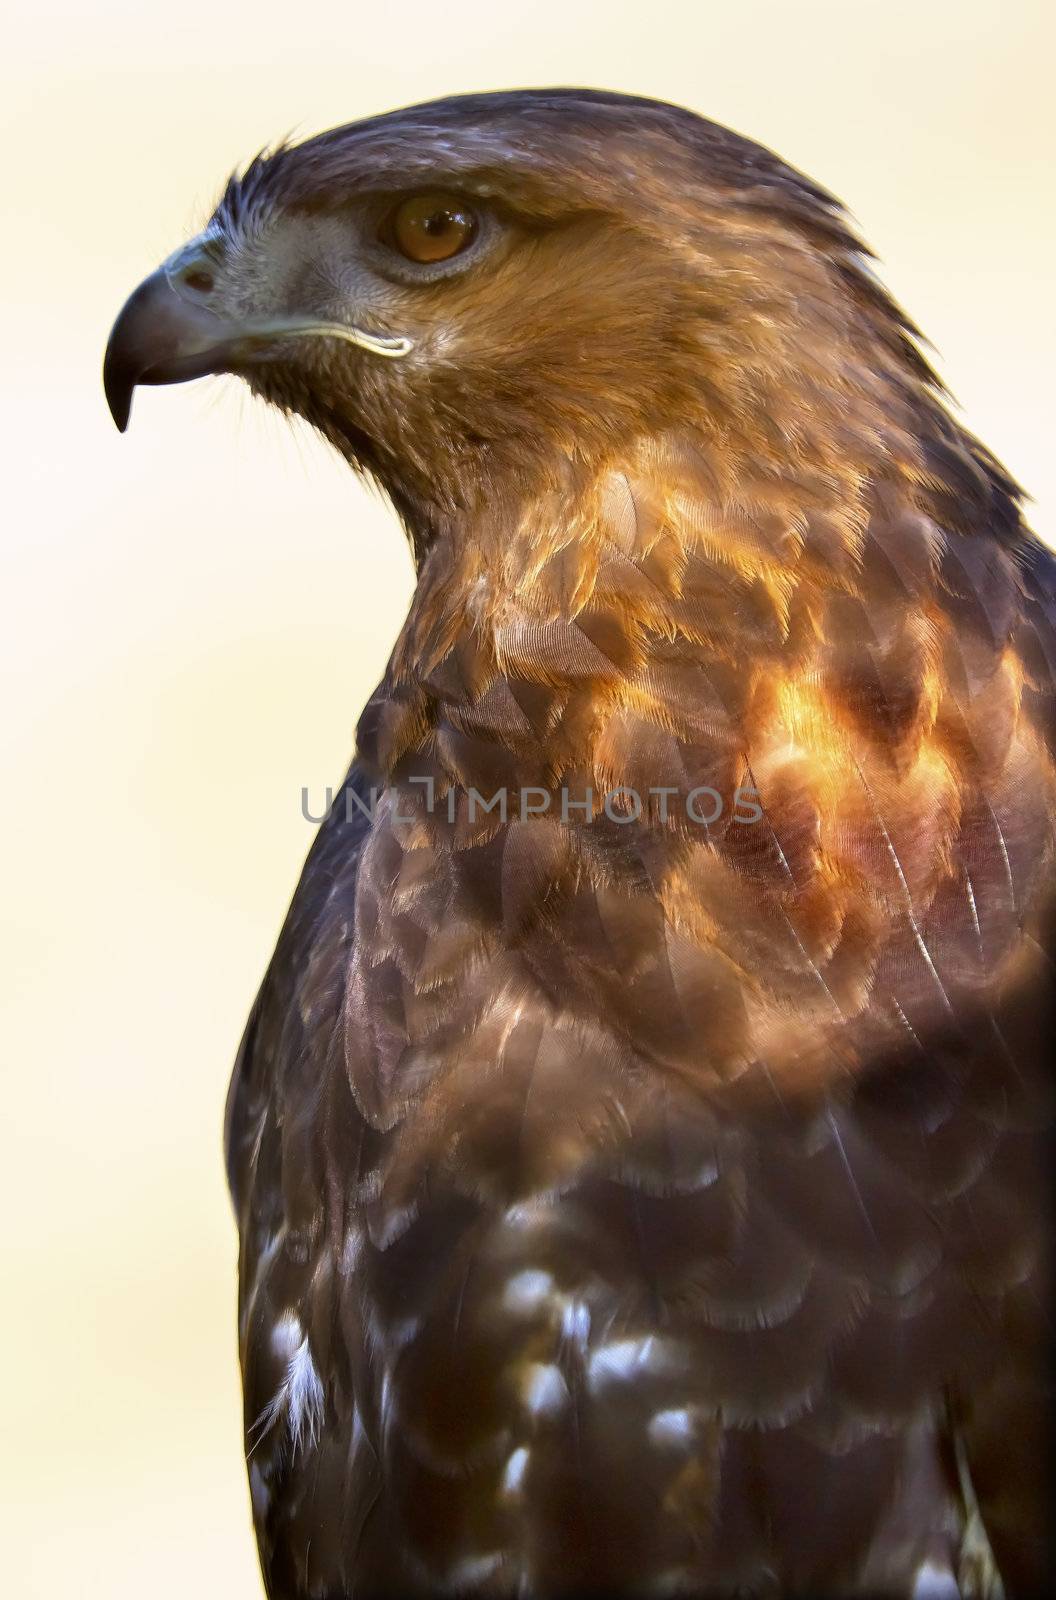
{"points": [[639, 1142]]}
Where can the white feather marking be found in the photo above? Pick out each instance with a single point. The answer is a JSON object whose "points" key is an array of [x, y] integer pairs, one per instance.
{"points": [[973, 908], [385, 1398], [543, 1389], [263, 1267], [516, 1466], [911, 914], [1004, 855], [286, 1335], [529, 1213], [935, 1583], [352, 1250], [305, 1397], [300, 1396], [527, 1290], [671, 1427], [624, 1359], [468, 1573], [575, 1323], [849, 1170]]}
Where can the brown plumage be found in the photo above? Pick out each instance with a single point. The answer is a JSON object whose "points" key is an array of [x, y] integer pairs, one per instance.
{"points": [[634, 1203]]}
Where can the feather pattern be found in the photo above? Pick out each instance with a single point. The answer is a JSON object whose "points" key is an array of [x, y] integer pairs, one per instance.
{"points": [[640, 1200]]}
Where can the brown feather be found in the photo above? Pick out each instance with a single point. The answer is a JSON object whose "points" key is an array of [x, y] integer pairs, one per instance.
{"points": [[632, 1204]]}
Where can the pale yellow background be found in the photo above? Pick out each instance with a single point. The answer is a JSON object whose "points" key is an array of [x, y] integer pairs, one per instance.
{"points": [[193, 615]]}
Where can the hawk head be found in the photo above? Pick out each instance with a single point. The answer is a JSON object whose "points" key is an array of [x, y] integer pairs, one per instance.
{"points": [[459, 294]]}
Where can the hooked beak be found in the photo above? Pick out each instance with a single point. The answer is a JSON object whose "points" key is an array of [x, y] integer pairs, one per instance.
{"points": [[163, 335]]}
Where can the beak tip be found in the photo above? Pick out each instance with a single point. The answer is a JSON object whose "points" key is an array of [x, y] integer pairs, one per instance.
{"points": [[120, 410], [118, 388]]}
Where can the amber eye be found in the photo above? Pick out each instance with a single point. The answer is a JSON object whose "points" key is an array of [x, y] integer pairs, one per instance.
{"points": [[432, 227]]}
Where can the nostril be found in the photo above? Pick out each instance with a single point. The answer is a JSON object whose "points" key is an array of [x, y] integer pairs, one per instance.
{"points": [[199, 279]]}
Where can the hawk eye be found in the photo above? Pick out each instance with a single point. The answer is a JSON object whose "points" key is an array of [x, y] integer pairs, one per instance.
{"points": [[431, 227]]}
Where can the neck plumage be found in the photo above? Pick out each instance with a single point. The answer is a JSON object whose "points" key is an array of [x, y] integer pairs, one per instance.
{"points": [[633, 624], [815, 731]]}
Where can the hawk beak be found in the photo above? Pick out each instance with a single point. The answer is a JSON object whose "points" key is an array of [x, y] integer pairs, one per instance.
{"points": [[162, 337], [166, 333]]}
